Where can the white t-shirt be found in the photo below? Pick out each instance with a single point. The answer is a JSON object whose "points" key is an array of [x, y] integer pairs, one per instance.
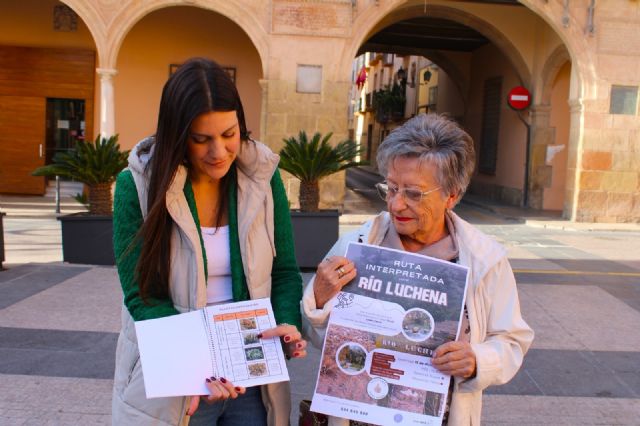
{"points": [[216, 245]]}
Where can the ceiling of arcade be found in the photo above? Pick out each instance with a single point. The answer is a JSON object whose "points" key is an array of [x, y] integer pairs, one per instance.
{"points": [[111, 20]]}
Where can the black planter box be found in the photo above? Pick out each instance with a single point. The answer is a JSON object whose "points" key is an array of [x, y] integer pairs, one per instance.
{"points": [[314, 234], [1, 240], [87, 239]]}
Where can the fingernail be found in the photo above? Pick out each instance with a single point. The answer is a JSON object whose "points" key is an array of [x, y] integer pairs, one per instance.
{"points": [[223, 380], [299, 345], [238, 388], [208, 380], [259, 335], [287, 338], [296, 354], [213, 379]]}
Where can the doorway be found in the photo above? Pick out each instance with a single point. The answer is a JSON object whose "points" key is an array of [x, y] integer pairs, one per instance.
{"points": [[65, 125]]}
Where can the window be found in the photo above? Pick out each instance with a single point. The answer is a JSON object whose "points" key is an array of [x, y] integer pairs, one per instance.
{"points": [[624, 100], [491, 103], [433, 98]]}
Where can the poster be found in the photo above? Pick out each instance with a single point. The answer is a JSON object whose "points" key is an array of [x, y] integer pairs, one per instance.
{"points": [[376, 359]]}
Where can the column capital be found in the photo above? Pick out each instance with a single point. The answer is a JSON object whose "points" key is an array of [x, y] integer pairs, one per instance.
{"points": [[106, 72], [576, 106], [541, 109]]}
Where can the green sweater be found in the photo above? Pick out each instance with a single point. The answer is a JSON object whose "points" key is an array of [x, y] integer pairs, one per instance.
{"points": [[286, 282]]}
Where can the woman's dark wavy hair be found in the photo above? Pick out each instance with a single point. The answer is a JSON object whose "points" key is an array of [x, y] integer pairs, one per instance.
{"points": [[197, 87]]}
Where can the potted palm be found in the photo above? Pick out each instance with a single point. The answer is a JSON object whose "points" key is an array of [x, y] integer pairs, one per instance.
{"points": [[87, 237], [310, 160]]}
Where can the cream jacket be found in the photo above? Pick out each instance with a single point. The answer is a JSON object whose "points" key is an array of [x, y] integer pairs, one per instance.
{"points": [[499, 336], [255, 165]]}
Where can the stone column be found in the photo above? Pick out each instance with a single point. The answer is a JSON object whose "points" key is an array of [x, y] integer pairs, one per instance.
{"points": [[541, 136], [574, 166], [264, 87], [107, 106]]}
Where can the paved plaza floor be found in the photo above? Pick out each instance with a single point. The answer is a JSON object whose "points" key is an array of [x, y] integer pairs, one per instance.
{"points": [[579, 289]]}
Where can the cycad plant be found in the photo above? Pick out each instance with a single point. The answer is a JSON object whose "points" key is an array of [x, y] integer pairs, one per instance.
{"points": [[312, 159], [95, 164]]}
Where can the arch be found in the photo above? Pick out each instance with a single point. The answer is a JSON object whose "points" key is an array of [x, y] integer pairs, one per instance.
{"points": [[443, 12], [126, 19], [453, 71], [93, 21], [574, 40], [552, 66]]}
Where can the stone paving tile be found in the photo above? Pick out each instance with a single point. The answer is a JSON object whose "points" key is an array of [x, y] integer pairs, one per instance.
{"points": [[37, 400], [543, 411], [57, 353], [32, 240], [573, 373], [90, 300], [585, 317], [32, 279], [625, 288]]}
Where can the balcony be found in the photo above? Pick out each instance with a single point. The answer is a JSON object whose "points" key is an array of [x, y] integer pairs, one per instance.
{"points": [[368, 102], [374, 58]]}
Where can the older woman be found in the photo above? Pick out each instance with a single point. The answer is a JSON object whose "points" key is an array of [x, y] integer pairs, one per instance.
{"points": [[428, 163]]}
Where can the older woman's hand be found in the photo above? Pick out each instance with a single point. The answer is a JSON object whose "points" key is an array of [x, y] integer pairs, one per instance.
{"points": [[456, 359], [293, 343], [332, 274]]}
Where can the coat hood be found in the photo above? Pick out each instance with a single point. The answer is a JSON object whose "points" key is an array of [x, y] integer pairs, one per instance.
{"points": [[254, 159]]}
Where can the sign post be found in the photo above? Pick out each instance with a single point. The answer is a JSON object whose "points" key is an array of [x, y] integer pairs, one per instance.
{"points": [[519, 99]]}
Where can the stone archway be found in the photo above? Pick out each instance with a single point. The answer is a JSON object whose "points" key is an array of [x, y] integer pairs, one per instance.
{"points": [[111, 20], [379, 21], [169, 36], [583, 76], [545, 161], [120, 20]]}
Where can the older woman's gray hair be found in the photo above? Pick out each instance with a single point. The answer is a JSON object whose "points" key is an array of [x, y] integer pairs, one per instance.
{"points": [[438, 140]]}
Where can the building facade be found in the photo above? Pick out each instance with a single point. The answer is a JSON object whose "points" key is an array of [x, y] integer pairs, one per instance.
{"points": [[77, 68]]}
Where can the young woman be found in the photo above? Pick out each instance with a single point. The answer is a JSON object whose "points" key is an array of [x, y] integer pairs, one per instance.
{"points": [[201, 217]]}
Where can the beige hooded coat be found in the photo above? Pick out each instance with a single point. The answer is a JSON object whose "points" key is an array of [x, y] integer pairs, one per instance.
{"points": [[256, 165], [499, 336]]}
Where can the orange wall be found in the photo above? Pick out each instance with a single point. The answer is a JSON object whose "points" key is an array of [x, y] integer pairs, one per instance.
{"points": [[170, 36], [30, 23], [450, 101], [488, 62], [559, 119]]}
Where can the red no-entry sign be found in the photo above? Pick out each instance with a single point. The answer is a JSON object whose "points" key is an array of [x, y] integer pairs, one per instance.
{"points": [[519, 98]]}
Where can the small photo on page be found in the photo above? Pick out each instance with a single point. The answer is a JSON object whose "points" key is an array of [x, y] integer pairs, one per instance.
{"points": [[251, 338], [254, 354], [248, 324], [258, 369]]}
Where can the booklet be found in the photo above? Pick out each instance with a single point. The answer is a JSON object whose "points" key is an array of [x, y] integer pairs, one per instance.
{"points": [[180, 351], [382, 331]]}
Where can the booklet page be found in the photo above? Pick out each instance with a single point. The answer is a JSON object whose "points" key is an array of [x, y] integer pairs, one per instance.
{"points": [[178, 352]]}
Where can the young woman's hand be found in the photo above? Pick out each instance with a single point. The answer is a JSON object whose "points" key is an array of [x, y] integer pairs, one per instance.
{"points": [[293, 343], [219, 390]]}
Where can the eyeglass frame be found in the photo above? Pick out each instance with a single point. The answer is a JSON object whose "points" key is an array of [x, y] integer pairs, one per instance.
{"points": [[380, 187]]}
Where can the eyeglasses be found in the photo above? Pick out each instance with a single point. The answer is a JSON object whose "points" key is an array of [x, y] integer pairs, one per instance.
{"points": [[410, 196]]}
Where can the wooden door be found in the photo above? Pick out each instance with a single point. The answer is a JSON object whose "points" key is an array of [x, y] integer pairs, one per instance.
{"points": [[22, 139]]}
